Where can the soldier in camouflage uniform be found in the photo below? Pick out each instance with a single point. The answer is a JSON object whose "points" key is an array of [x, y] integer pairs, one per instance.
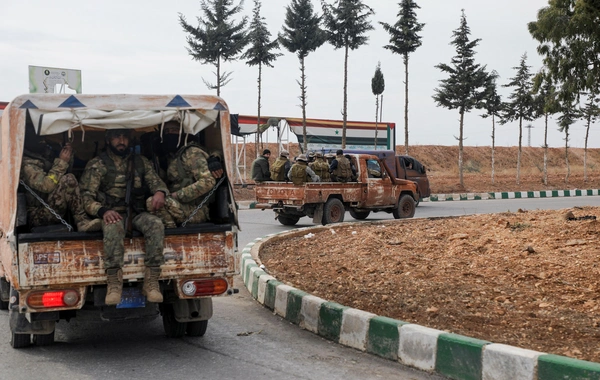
{"points": [[50, 181], [320, 167], [341, 168], [300, 173], [191, 174], [103, 186], [281, 167]]}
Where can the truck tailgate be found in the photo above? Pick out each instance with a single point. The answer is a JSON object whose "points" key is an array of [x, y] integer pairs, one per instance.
{"points": [[79, 262], [290, 194]]}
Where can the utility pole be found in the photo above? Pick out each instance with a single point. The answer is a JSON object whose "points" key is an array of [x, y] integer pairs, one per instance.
{"points": [[529, 126]]}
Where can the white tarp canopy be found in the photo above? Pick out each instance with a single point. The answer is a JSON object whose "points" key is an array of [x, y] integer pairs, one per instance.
{"points": [[54, 122]]}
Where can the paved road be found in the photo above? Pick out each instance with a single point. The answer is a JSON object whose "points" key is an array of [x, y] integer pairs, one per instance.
{"points": [[244, 339]]}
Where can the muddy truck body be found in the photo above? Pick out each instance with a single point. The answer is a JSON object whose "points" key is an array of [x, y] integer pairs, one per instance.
{"points": [[375, 190], [51, 273]]}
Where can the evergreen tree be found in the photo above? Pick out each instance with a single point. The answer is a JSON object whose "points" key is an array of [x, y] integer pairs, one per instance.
{"points": [[217, 38], [346, 22], [301, 35], [567, 118], [260, 53], [546, 105], [466, 85], [589, 113], [404, 39], [492, 104], [521, 105], [377, 86]]}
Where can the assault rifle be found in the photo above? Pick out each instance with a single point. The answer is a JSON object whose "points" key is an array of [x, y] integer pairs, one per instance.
{"points": [[129, 193]]}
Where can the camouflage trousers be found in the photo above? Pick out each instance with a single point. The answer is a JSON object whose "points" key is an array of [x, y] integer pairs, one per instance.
{"points": [[175, 212], [114, 240], [64, 197]]}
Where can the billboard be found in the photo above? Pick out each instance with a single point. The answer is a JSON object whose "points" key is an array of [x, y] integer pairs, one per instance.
{"points": [[51, 80]]}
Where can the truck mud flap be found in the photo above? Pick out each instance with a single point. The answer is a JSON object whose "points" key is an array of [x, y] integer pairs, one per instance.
{"points": [[20, 325], [189, 310], [318, 216]]}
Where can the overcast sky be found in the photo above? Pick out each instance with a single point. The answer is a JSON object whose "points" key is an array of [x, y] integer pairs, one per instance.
{"points": [[138, 46]]}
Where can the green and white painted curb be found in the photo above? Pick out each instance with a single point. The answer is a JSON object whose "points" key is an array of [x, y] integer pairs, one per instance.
{"points": [[455, 356], [245, 205]]}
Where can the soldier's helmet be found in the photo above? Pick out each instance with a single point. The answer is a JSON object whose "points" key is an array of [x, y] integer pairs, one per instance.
{"points": [[284, 153], [302, 158], [319, 155]]}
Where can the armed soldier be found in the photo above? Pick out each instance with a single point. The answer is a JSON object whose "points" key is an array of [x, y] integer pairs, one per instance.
{"points": [[300, 173], [320, 167], [340, 168], [104, 190], [191, 174], [281, 166], [49, 180]]}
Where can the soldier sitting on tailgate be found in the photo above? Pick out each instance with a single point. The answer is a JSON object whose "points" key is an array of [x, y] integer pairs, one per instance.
{"points": [[104, 189], [191, 175], [320, 167], [47, 177], [300, 173], [281, 167]]}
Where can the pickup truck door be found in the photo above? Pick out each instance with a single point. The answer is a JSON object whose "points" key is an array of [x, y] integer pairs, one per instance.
{"points": [[379, 185]]}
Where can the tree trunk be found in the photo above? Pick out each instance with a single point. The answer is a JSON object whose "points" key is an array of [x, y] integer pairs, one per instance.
{"points": [[219, 76], [519, 151], [587, 133], [567, 154], [258, 112], [406, 103], [460, 149], [376, 118], [345, 106], [493, 146], [546, 150], [303, 101]]}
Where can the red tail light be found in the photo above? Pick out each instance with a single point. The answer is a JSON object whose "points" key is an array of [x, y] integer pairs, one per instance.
{"points": [[52, 298], [210, 287]]}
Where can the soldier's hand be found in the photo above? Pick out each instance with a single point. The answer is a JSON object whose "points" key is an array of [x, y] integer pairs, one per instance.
{"points": [[215, 167], [112, 217], [66, 152], [158, 200]]}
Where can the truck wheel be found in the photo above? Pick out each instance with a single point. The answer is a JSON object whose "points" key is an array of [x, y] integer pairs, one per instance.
{"points": [[288, 220], [406, 207], [173, 328], [20, 340], [43, 339], [333, 211], [359, 215], [197, 328]]}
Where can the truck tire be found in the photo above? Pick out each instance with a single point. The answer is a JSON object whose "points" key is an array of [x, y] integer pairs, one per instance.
{"points": [[43, 339], [173, 328], [406, 207], [288, 220], [197, 328], [20, 340], [359, 215], [333, 211]]}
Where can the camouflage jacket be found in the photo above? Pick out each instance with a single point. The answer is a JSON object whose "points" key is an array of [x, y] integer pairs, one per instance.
{"points": [[97, 193], [188, 174], [41, 175], [321, 168]]}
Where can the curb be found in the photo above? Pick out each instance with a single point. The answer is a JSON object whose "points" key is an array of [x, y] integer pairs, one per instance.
{"points": [[452, 355], [246, 205]]}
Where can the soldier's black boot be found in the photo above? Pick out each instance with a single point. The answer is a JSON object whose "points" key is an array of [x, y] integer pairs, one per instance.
{"points": [[151, 287], [114, 281]]}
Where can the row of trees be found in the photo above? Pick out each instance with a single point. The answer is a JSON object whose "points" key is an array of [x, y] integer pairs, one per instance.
{"points": [[568, 32], [344, 24], [567, 85]]}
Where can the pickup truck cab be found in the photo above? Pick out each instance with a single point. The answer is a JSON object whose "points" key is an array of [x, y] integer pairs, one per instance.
{"points": [[405, 167], [376, 189], [51, 273]]}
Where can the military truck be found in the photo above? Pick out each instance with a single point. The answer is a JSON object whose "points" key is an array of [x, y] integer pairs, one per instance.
{"points": [[52, 273], [376, 189]]}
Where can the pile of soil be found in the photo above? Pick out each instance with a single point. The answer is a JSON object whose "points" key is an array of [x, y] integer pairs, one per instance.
{"points": [[529, 279]]}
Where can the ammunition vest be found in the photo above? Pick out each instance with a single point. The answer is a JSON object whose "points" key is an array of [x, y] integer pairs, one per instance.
{"points": [[113, 187], [184, 178], [321, 168], [278, 169], [343, 170], [298, 174]]}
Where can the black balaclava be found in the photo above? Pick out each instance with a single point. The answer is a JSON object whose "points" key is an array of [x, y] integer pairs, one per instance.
{"points": [[170, 142]]}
